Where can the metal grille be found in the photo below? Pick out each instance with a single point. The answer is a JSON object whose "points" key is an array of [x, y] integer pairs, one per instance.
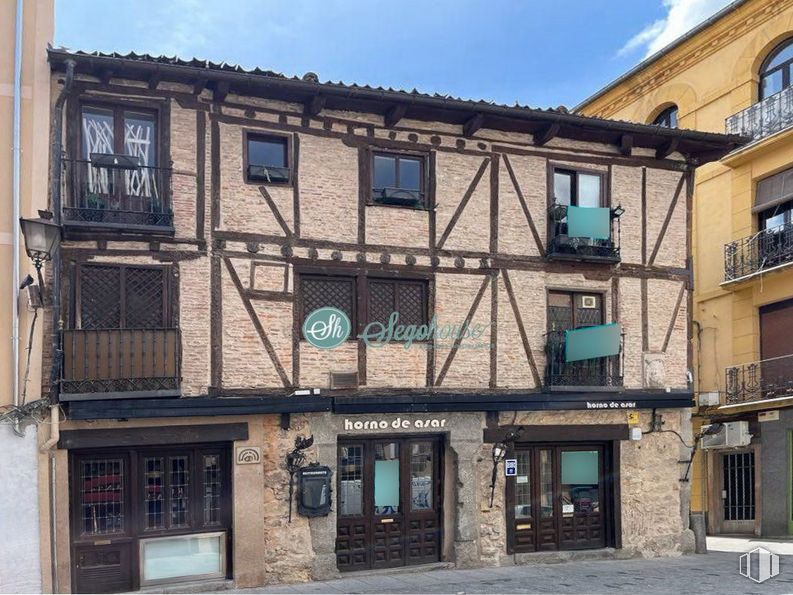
{"points": [[772, 114], [180, 490], [100, 289], [143, 293], [212, 488], [764, 250], [351, 480], [334, 292], [102, 496], [153, 495], [408, 298], [766, 379], [739, 486]]}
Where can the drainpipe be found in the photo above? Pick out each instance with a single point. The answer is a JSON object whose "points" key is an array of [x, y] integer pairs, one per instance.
{"points": [[56, 134], [16, 199]]}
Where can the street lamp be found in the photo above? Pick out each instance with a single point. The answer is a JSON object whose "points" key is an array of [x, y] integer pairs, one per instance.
{"points": [[498, 453], [42, 237]]}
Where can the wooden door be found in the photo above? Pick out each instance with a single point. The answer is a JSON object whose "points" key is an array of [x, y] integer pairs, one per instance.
{"points": [[557, 499], [390, 503]]}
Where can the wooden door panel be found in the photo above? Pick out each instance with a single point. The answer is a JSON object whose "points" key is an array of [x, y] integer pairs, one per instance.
{"points": [[103, 569], [352, 542], [387, 544]]}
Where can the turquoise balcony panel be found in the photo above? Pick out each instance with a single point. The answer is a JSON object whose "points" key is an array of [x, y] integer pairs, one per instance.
{"points": [[589, 222], [592, 341]]}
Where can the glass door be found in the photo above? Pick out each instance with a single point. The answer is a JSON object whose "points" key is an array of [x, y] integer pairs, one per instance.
{"points": [[387, 520]]}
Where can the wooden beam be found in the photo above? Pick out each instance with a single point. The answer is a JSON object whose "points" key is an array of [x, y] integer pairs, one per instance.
{"points": [[199, 86], [221, 91], [667, 148], [105, 76], [473, 124], [394, 114], [626, 144], [313, 106], [154, 80], [546, 134]]}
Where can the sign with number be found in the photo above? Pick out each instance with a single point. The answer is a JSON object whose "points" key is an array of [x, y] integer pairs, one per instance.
{"points": [[510, 467]]}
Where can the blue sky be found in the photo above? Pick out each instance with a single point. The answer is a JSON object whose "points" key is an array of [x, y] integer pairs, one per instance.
{"points": [[542, 53]]}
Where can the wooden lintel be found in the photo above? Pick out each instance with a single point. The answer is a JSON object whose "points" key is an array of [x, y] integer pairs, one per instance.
{"points": [[667, 148], [313, 106], [473, 124], [154, 80], [545, 134], [221, 91], [199, 86], [626, 144], [394, 114]]}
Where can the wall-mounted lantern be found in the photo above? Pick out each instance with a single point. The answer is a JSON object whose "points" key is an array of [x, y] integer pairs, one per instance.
{"points": [[498, 454], [42, 238]]}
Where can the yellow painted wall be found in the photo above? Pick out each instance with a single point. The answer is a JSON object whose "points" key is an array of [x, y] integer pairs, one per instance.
{"points": [[709, 77]]}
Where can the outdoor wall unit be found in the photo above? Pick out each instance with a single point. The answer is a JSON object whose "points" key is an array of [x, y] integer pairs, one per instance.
{"points": [[731, 435]]}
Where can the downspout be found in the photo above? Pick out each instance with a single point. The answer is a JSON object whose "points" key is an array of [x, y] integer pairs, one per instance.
{"points": [[16, 169], [56, 135]]}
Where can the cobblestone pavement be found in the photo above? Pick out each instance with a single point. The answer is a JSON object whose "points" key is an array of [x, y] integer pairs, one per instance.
{"points": [[715, 573]]}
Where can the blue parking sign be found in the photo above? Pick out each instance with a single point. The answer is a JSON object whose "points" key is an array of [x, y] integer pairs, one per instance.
{"points": [[510, 467]]}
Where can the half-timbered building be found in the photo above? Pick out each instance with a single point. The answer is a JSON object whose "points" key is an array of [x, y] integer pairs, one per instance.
{"points": [[504, 283]]}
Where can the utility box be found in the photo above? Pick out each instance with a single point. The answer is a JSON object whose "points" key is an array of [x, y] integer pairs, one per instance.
{"points": [[710, 399], [314, 489]]}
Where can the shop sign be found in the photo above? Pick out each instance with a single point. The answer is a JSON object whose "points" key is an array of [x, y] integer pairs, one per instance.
{"points": [[611, 404], [397, 424]]}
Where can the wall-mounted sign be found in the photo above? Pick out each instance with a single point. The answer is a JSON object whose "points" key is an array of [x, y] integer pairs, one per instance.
{"points": [[397, 424], [768, 416], [510, 467], [633, 418], [249, 455], [313, 490]]}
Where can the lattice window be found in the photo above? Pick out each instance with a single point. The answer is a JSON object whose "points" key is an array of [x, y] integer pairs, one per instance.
{"points": [[100, 288], [102, 496], [334, 292], [143, 292], [180, 491], [114, 297], [212, 489], [154, 492], [408, 298]]}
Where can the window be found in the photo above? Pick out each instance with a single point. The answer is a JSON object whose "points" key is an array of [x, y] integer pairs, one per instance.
{"points": [[667, 118], [111, 297], [774, 200], [775, 73], [398, 179], [407, 298], [578, 189], [568, 310], [318, 291], [267, 159], [120, 131]]}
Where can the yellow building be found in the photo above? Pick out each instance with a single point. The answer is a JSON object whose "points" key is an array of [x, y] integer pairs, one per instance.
{"points": [[24, 163], [734, 73]]}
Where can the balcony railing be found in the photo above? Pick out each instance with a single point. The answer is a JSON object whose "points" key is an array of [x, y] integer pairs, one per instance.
{"points": [[100, 363], [767, 379], [596, 372], [772, 114], [560, 244], [117, 197], [764, 250]]}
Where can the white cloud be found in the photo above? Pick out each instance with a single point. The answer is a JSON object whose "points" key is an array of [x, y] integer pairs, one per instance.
{"points": [[681, 17]]}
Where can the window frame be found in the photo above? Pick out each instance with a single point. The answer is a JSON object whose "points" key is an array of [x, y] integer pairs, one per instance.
{"points": [[785, 67], [573, 293], [285, 138], [167, 291], [118, 108], [602, 198], [785, 208], [423, 202]]}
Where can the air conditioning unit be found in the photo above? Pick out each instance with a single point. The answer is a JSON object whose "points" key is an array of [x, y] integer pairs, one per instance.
{"points": [[710, 399], [730, 435], [589, 301]]}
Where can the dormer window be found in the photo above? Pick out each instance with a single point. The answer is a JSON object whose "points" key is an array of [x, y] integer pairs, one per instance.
{"points": [[398, 180], [267, 159]]}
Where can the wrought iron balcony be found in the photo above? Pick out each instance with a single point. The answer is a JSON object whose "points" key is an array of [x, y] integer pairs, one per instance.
{"points": [[764, 250], [563, 246], [596, 372], [117, 197], [102, 363], [757, 381], [764, 118]]}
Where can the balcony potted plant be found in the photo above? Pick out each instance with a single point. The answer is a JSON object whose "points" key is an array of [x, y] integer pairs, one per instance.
{"points": [[96, 205]]}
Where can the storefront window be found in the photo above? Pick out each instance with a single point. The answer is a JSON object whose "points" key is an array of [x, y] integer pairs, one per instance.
{"points": [[187, 556], [421, 464], [579, 484], [386, 478], [351, 480]]}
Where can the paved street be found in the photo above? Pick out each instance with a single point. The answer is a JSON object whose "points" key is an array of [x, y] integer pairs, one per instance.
{"points": [[714, 573]]}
